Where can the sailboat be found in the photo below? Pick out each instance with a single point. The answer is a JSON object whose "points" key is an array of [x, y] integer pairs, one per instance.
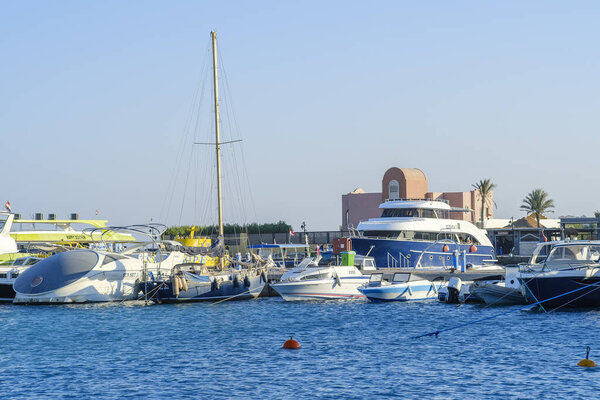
{"points": [[194, 282]]}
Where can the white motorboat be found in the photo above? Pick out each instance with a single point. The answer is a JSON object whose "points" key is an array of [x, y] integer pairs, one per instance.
{"points": [[403, 287], [312, 281]]}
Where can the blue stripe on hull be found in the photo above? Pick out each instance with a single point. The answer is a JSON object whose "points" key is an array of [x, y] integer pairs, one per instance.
{"points": [[413, 248]]}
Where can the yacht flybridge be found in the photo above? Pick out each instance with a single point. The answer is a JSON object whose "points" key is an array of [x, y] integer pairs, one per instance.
{"points": [[422, 233]]}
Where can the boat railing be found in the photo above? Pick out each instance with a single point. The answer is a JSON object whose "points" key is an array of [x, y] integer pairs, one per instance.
{"points": [[401, 262], [438, 200]]}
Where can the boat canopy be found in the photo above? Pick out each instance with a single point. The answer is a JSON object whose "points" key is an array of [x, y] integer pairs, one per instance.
{"points": [[56, 271]]}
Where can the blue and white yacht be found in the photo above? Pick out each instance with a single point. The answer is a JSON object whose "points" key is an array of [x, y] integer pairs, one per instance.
{"points": [[419, 234]]}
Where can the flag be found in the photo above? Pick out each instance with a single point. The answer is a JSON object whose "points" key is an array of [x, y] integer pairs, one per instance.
{"points": [[544, 236], [292, 233], [7, 206]]}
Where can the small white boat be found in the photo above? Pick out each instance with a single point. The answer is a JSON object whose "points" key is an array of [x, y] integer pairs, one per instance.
{"points": [[505, 292], [404, 287], [311, 281]]}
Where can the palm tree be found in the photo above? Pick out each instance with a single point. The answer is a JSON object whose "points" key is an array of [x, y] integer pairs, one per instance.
{"points": [[537, 202], [484, 187]]}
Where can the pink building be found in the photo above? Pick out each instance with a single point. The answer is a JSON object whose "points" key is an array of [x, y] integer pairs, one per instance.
{"points": [[408, 183]]}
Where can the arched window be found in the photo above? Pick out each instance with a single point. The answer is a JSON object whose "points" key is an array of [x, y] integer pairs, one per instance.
{"points": [[394, 190]]}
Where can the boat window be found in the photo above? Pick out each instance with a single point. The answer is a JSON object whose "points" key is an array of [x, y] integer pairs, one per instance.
{"points": [[409, 213], [31, 261], [112, 257], [13, 275], [324, 275], [382, 234], [400, 212], [376, 277], [18, 261], [3, 276], [465, 238]]}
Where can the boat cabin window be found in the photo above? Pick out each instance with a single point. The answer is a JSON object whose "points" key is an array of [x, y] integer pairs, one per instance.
{"points": [[3, 276], [465, 238], [376, 277], [322, 275], [409, 213], [382, 234]]}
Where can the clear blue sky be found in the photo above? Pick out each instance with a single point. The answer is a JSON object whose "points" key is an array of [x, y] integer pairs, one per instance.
{"points": [[95, 95]]}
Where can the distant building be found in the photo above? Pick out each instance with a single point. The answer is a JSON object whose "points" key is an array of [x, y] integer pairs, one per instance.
{"points": [[407, 183]]}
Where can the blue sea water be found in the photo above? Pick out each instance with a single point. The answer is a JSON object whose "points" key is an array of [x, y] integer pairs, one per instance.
{"points": [[350, 350]]}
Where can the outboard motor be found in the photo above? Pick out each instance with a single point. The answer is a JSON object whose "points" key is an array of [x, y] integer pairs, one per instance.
{"points": [[454, 285]]}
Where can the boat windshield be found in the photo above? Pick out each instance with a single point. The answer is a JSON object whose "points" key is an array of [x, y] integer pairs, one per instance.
{"points": [[410, 213], [574, 253]]}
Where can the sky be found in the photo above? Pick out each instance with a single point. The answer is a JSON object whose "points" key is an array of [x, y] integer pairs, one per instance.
{"points": [[100, 105]]}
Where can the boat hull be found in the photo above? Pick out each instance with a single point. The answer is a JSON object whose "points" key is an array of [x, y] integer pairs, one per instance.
{"points": [[321, 289], [99, 288], [498, 295], [433, 256], [205, 289], [406, 291], [541, 289]]}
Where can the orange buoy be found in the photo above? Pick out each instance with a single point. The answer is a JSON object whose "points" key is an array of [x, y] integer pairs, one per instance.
{"points": [[291, 344], [445, 248], [473, 249]]}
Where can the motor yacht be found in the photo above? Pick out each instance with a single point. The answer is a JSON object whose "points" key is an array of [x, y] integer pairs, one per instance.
{"points": [[421, 234]]}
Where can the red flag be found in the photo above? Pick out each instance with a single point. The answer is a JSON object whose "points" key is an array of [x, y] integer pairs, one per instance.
{"points": [[7, 206], [292, 233], [544, 236]]}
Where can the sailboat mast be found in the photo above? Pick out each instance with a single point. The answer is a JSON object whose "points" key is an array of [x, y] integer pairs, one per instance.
{"points": [[217, 132]]}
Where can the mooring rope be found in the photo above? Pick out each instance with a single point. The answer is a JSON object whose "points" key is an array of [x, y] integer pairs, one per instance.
{"points": [[436, 333]]}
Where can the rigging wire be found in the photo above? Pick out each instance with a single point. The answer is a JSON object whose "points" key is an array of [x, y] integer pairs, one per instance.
{"points": [[436, 333]]}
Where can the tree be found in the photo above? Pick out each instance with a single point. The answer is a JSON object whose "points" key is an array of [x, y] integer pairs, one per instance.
{"points": [[537, 202], [597, 214], [484, 187]]}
